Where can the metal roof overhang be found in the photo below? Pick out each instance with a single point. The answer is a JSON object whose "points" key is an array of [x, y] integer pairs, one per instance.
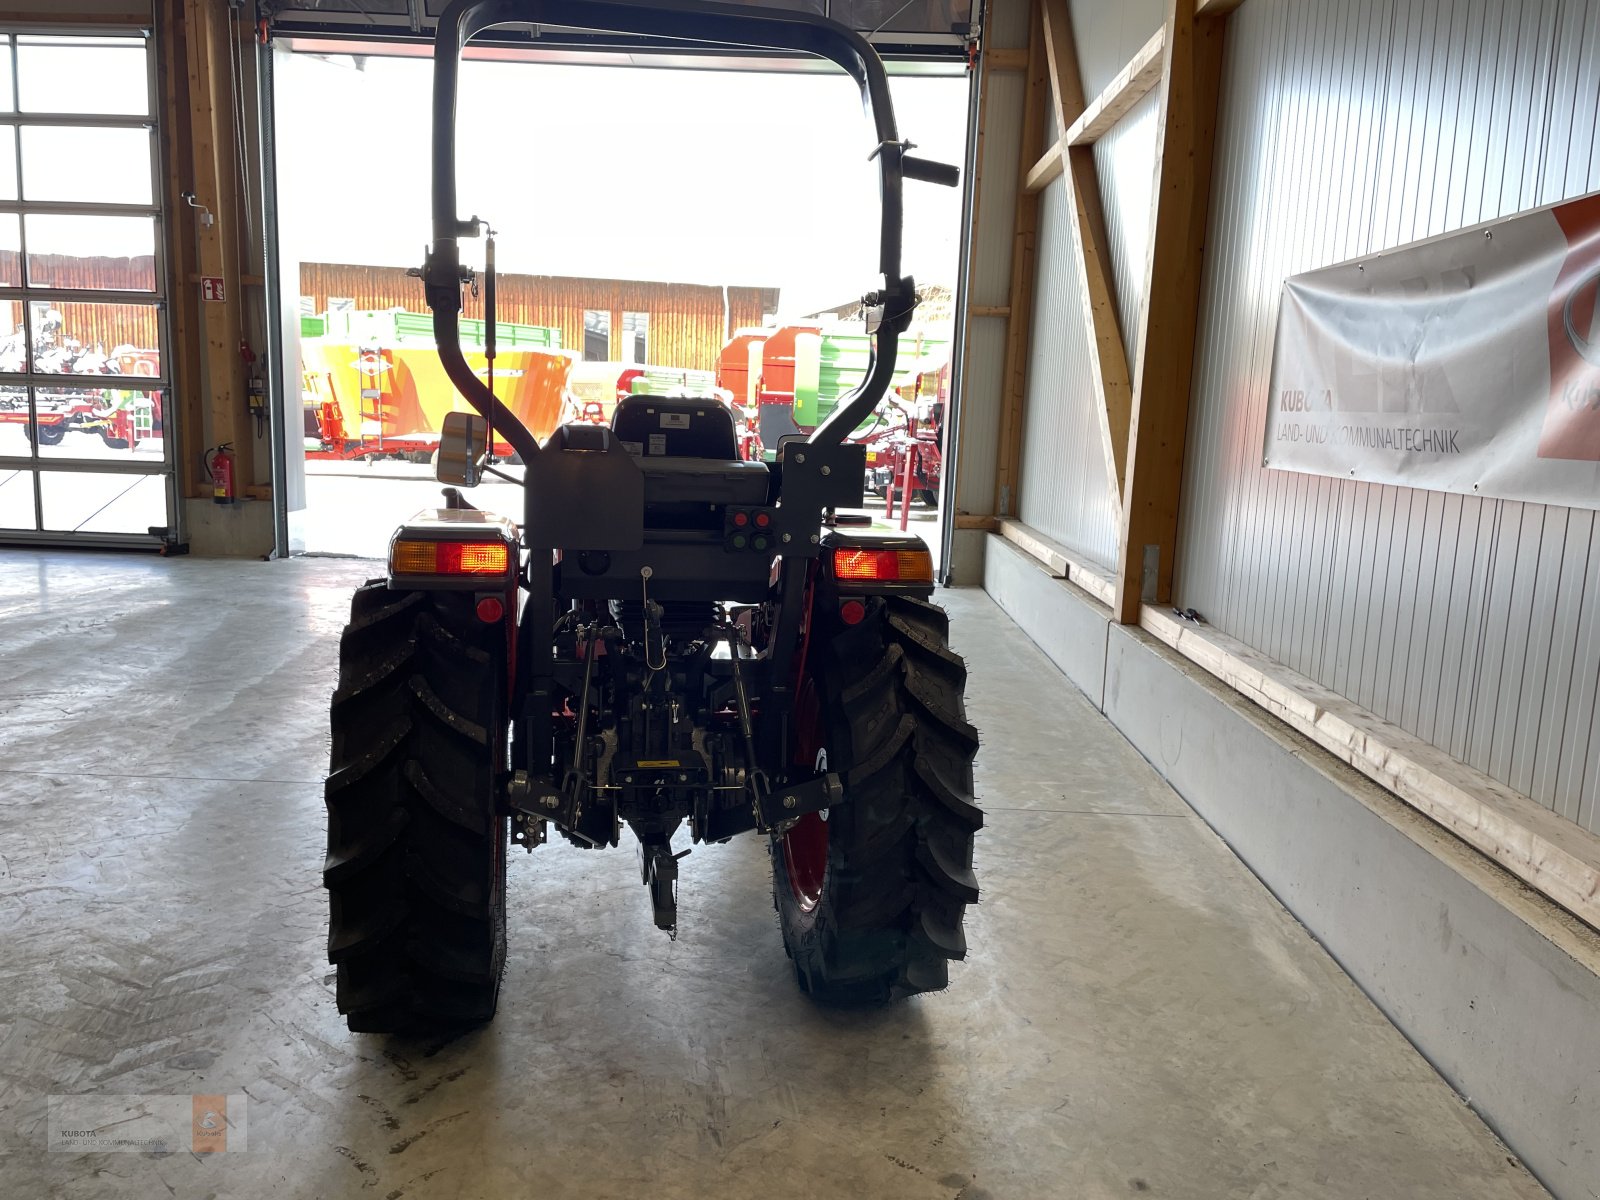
{"points": [[405, 28]]}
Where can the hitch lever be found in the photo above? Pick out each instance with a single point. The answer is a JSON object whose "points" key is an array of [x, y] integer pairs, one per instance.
{"points": [[757, 778]]}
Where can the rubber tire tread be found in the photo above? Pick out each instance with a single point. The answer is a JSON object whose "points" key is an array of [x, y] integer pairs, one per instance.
{"points": [[899, 873], [415, 868]]}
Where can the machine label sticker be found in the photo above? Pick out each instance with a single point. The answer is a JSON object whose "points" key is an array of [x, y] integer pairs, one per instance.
{"points": [[633, 447], [658, 443], [659, 762], [671, 420]]}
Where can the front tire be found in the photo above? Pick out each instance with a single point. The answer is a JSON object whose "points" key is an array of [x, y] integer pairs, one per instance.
{"points": [[47, 435], [871, 898], [416, 852]]}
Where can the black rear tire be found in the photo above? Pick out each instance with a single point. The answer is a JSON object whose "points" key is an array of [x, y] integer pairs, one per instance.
{"points": [[898, 875], [416, 852]]}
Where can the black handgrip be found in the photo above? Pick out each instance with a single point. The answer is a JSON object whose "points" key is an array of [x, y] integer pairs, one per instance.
{"points": [[929, 171]]}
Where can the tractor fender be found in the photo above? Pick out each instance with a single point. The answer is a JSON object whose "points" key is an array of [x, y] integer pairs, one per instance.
{"points": [[461, 561]]}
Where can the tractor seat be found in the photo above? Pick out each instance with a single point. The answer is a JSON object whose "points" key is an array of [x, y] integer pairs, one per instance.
{"points": [[675, 427]]}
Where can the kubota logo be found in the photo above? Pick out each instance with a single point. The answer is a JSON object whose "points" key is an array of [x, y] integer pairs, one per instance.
{"points": [[1578, 316], [1572, 422]]}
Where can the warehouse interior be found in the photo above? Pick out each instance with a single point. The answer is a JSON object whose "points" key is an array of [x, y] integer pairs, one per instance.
{"points": [[1267, 473]]}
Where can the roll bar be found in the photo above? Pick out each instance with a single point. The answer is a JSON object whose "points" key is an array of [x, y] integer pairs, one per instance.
{"points": [[709, 22]]}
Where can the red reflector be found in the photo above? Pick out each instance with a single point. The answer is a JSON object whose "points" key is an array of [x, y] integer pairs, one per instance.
{"points": [[860, 565], [851, 612], [490, 610]]}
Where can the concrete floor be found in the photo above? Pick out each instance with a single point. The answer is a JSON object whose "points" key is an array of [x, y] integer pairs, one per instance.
{"points": [[1137, 1016]]}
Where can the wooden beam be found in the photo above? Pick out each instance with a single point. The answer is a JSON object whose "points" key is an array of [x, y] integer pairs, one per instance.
{"points": [[976, 521], [988, 310], [176, 146], [1019, 326], [1050, 554], [1108, 358], [1045, 171], [1006, 59], [1060, 562], [1066, 85], [215, 186], [1215, 8], [1159, 422], [1131, 85], [1546, 851]]}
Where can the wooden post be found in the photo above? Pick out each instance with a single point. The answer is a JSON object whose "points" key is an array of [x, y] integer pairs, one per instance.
{"points": [[1160, 417], [1066, 84], [182, 364], [1019, 309], [215, 187]]}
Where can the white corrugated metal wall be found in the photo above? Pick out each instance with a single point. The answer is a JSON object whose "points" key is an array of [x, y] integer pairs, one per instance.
{"points": [[1125, 159], [1346, 129], [1109, 34], [1066, 487]]}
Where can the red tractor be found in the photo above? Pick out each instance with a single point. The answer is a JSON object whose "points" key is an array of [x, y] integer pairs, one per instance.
{"points": [[671, 639]]}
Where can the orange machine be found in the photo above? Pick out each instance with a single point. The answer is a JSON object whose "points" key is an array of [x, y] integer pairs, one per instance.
{"points": [[393, 400]]}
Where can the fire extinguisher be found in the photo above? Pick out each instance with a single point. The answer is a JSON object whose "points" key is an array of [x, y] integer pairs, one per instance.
{"points": [[219, 465]]}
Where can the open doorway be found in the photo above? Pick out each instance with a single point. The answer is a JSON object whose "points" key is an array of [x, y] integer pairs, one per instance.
{"points": [[660, 230]]}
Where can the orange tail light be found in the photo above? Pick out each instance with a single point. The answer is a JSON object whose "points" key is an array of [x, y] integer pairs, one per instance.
{"points": [[861, 565], [413, 556]]}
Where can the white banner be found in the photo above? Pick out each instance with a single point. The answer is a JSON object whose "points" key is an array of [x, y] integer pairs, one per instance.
{"points": [[1465, 363]]}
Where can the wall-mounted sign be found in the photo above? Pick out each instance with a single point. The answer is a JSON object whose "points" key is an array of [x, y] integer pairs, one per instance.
{"points": [[213, 288], [1464, 363]]}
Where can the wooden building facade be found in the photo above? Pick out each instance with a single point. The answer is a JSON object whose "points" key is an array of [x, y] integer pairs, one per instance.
{"points": [[688, 324]]}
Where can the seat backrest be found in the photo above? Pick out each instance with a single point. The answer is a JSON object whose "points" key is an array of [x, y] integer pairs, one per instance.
{"points": [[675, 427]]}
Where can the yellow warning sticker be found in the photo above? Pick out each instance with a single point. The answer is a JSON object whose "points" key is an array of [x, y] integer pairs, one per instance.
{"points": [[659, 762]]}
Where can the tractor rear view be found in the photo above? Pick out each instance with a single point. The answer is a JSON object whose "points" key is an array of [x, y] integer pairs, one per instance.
{"points": [[669, 637]]}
